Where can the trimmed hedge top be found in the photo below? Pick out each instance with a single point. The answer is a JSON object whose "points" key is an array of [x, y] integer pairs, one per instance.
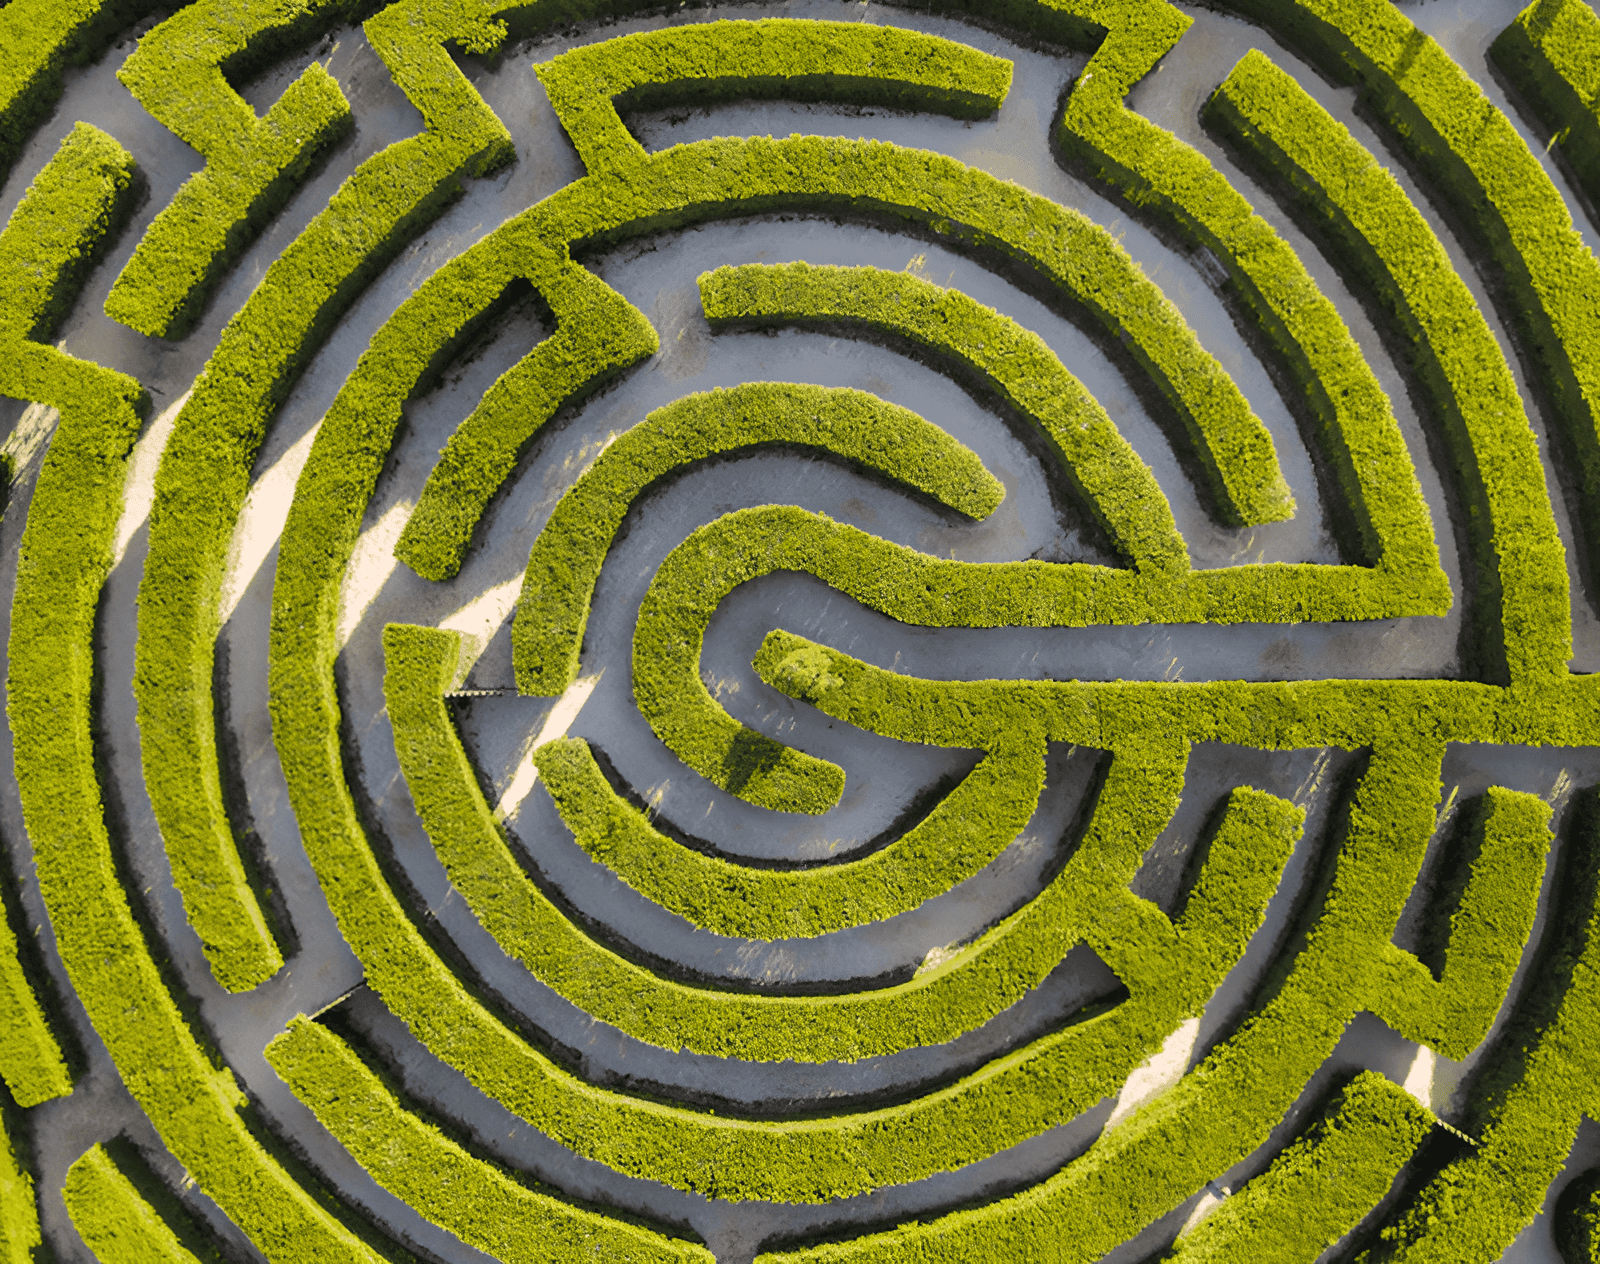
{"points": [[796, 60]]}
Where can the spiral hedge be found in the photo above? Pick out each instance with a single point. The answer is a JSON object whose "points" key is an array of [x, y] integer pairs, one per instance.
{"points": [[391, 584]]}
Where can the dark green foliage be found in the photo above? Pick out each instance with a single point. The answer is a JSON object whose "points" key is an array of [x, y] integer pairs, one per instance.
{"points": [[1524, 620], [1551, 52], [252, 165], [205, 468], [1577, 1219], [62, 564], [470, 1198], [1321, 1186]]}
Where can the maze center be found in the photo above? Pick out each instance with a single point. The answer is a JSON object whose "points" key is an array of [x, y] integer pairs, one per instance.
{"points": [[800, 632]]}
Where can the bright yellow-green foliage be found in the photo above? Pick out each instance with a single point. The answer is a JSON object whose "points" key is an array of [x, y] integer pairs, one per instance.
{"points": [[51, 241], [777, 57], [41, 38], [1577, 1219], [1170, 968], [62, 563], [1552, 54], [1226, 1108], [598, 335], [113, 1220], [1394, 254], [205, 467], [470, 1198], [965, 831], [1319, 1188], [1117, 487], [252, 165], [1477, 161], [858, 428], [20, 1238]]}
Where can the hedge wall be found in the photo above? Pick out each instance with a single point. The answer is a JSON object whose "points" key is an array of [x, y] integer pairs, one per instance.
{"points": [[1490, 184], [968, 828], [205, 467], [1118, 489], [1524, 616], [252, 165], [113, 1219], [20, 1238], [1551, 53], [62, 563], [1321, 1186], [553, 609], [41, 38], [478, 1202], [784, 58]]}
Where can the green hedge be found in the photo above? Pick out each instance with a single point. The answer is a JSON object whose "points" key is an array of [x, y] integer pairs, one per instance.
{"points": [[1530, 1094], [252, 165], [51, 242], [205, 468], [1354, 425], [922, 590], [474, 1200], [1117, 487], [773, 57], [1482, 171], [598, 335], [1551, 53], [964, 832], [1171, 969], [113, 1219], [1482, 944], [1577, 1219], [878, 437], [553, 609], [31, 1062], [937, 1005], [1346, 963], [1319, 1188], [1523, 601], [41, 38], [20, 1238], [1233, 445], [62, 563], [784, 58]]}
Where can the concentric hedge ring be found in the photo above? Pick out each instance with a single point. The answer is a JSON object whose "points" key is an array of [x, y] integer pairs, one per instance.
{"points": [[1209, 1038]]}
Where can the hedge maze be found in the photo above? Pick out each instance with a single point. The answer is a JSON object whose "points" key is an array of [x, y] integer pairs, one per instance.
{"points": [[700, 767]]}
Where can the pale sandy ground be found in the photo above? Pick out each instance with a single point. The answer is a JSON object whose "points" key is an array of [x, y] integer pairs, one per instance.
{"points": [[658, 276]]}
